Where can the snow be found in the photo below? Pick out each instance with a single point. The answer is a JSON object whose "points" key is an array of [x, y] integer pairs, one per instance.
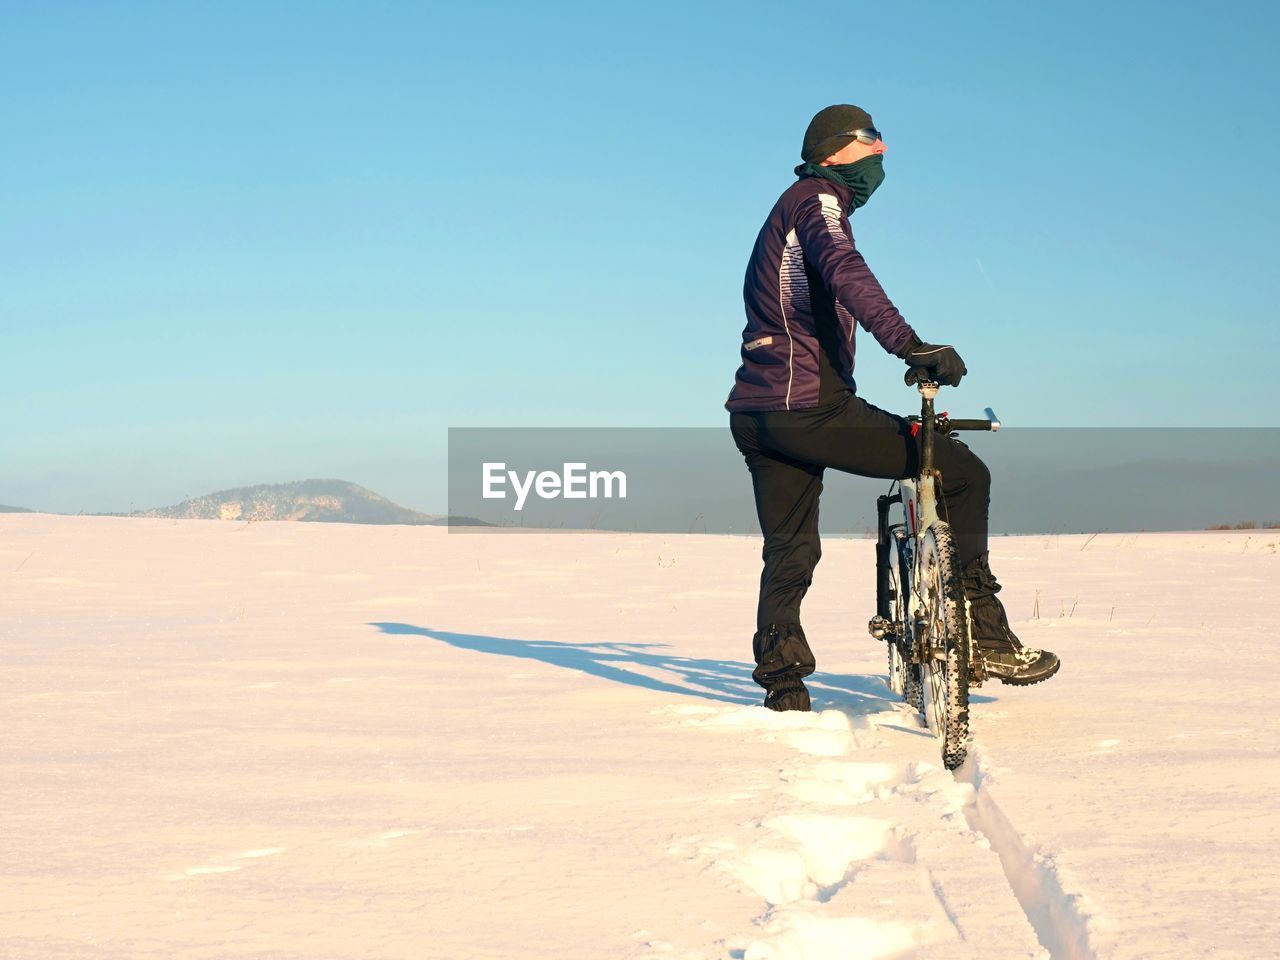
{"points": [[251, 740]]}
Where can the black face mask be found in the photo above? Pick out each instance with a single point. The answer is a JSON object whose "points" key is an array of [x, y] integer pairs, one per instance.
{"points": [[861, 177]]}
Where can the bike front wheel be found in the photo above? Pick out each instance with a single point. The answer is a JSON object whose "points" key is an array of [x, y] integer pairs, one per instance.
{"points": [[944, 644], [904, 673]]}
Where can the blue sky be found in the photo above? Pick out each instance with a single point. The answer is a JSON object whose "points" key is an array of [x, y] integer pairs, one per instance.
{"points": [[256, 242]]}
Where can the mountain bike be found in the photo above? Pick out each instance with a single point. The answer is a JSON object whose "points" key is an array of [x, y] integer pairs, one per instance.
{"points": [[921, 610]]}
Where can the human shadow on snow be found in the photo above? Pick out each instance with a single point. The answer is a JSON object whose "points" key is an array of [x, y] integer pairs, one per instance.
{"points": [[634, 664]]}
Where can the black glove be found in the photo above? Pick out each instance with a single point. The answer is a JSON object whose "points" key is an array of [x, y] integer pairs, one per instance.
{"points": [[933, 362]]}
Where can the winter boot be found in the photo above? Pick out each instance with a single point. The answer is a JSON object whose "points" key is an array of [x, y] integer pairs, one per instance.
{"points": [[1004, 656], [783, 660], [788, 696]]}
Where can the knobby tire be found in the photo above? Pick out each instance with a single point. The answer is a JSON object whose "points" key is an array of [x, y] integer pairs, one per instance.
{"points": [[945, 645]]}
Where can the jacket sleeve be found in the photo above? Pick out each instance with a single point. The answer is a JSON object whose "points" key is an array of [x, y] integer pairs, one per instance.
{"points": [[822, 234]]}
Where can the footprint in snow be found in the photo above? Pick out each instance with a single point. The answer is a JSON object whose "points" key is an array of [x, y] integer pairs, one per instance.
{"points": [[810, 856], [846, 783], [808, 935]]}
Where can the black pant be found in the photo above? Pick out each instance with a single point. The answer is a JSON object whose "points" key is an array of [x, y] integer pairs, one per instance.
{"points": [[787, 451]]}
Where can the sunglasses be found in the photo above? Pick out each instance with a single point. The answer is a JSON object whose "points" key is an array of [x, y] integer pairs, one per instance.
{"points": [[867, 135]]}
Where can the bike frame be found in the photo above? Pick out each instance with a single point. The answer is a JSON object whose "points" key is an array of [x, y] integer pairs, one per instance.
{"points": [[918, 497]]}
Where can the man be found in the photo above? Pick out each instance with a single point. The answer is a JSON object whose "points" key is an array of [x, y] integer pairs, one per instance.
{"points": [[794, 410]]}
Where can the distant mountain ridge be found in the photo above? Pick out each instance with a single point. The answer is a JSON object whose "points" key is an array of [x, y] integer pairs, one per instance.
{"points": [[7, 509], [316, 501]]}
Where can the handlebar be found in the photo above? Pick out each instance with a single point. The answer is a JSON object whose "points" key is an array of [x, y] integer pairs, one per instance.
{"points": [[943, 424], [929, 389]]}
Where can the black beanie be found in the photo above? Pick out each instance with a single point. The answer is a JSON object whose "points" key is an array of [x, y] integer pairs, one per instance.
{"points": [[822, 139]]}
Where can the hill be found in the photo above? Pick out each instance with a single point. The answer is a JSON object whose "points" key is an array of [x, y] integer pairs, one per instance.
{"points": [[323, 501]]}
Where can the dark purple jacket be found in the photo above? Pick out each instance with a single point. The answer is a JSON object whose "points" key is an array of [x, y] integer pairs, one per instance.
{"points": [[806, 284]]}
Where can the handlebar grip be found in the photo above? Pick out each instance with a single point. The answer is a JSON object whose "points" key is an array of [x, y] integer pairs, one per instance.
{"points": [[969, 424]]}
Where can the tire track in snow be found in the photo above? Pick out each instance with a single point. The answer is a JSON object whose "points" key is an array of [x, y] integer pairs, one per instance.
{"points": [[1058, 917], [863, 849], [941, 896]]}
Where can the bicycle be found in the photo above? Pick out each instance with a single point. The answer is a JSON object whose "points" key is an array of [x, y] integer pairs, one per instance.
{"points": [[921, 609]]}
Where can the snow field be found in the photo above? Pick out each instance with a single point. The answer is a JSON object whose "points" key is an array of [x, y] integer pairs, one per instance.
{"points": [[305, 740]]}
